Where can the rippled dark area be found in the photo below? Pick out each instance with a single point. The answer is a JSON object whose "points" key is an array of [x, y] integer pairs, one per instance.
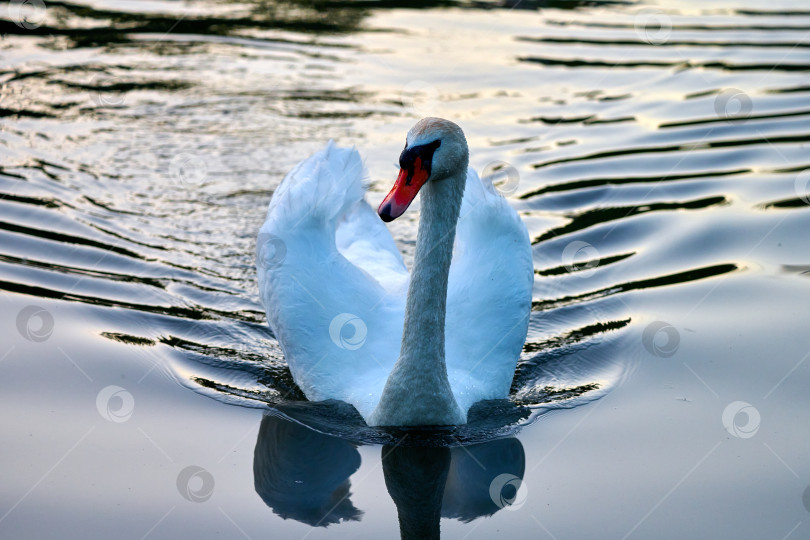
{"points": [[664, 178]]}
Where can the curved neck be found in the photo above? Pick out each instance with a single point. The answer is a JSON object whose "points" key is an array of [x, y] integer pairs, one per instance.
{"points": [[417, 392], [423, 333]]}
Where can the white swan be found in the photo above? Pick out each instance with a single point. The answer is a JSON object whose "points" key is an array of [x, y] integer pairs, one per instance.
{"points": [[354, 326]]}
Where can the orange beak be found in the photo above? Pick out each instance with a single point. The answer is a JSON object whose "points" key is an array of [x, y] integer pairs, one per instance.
{"points": [[407, 185]]}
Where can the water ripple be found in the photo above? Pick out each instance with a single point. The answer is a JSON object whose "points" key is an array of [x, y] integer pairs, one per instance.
{"points": [[141, 148]]}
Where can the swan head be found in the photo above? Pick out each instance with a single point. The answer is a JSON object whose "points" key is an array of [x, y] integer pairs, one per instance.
{"points": [[435, 150]]}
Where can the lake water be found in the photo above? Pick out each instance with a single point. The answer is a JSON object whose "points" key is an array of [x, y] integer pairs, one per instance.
{"points": [[658, 155]]}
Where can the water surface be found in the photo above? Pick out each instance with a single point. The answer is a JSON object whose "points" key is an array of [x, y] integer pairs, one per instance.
{"points": [[664, 177]]}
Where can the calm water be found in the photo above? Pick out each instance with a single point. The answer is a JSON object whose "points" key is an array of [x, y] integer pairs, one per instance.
{"points": [[661, 164]]}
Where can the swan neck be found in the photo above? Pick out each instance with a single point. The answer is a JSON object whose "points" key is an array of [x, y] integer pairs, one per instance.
{"points": [[417, 392], [426, 308]]}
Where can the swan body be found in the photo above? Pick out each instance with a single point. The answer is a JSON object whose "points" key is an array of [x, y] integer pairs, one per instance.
{"points": [[403, 348]]}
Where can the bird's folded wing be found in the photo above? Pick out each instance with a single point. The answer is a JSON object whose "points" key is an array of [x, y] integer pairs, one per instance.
{"points": [[332, 284], [489, 295]]}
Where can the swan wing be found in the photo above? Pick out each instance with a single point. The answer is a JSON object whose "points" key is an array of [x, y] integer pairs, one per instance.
{"points": [[489, 295], [332, 281]]}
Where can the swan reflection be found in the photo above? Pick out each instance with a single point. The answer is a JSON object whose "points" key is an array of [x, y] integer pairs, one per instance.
{"points": [[304, 475]]}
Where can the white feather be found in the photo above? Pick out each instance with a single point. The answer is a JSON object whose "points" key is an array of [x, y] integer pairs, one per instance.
{"points": [[339, 258]]}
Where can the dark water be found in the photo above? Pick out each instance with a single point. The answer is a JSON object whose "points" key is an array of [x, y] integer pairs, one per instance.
{"points": [[664, 176]]}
